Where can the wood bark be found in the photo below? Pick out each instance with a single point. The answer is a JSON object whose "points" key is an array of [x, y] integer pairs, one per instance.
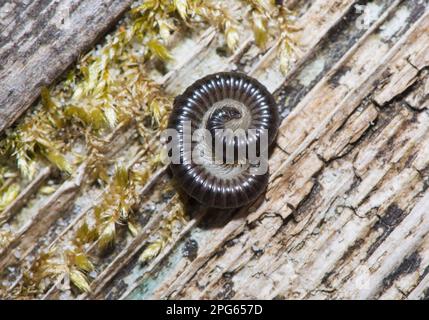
{"points": [[345, 212]]}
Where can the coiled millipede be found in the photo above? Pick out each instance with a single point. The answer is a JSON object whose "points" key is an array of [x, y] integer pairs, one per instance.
{"points": [[226, 100]]}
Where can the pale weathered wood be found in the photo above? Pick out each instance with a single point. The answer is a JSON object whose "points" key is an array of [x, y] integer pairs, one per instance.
{"points": [[39, 40], [344, 213], [24, 196], [239, 268], [26, 238]]}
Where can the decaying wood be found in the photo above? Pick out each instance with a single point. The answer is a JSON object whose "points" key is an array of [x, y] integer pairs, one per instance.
{"points": [[306, 186], [345, 212], [39, 40], [25, 195]]}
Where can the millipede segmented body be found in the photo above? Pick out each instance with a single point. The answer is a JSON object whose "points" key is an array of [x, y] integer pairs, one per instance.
{"points": [[226, 100]]}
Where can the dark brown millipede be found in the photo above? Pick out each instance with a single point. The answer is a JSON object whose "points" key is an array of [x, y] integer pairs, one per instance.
{"points": [[214, 102]]}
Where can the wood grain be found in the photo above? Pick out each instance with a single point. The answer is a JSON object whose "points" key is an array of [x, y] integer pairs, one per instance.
{"points": [[40, 39], [345, 213]]}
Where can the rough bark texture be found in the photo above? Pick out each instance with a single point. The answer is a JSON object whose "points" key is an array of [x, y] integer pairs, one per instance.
{"points": [[40, 39], [345, 213]]}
